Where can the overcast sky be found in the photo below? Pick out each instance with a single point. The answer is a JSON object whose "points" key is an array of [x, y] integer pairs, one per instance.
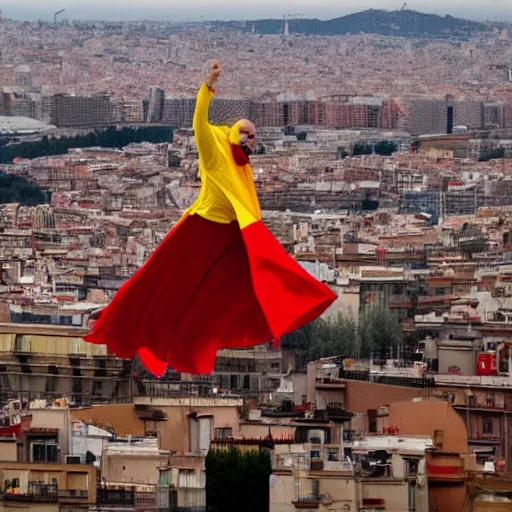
{"points": [[191, 10]]}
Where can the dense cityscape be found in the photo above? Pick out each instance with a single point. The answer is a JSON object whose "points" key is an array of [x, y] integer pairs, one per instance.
{"points": [[384, 167]]}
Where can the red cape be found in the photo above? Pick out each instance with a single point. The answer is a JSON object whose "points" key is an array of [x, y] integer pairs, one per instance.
{"points": [[209, 286]]}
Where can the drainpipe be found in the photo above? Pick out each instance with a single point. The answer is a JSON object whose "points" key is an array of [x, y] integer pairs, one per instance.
{"points": [[507, 441], [412, 495]]}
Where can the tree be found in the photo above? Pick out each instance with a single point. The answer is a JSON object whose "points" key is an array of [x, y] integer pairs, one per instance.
{"points": [[110, 137], [237, 481], [15, 189], [386, 147], [379, 334], [332, 336], [491, 154], [302, 136], [362, 148]]}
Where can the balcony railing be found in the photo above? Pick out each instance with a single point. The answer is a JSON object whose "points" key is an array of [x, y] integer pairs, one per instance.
{"points": [[36, 492], [489, 438], [308, 501], [81, 494], [491, 405], [116, 497]]}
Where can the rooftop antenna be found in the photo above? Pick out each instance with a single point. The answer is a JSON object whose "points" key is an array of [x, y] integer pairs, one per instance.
{"points": [[403, 6], [56, 14]]}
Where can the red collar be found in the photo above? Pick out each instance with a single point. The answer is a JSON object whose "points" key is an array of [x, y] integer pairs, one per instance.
{"points": [[238, 154]]}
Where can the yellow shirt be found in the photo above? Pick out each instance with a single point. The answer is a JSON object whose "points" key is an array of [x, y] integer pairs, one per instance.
{"points": [[228, 192]]}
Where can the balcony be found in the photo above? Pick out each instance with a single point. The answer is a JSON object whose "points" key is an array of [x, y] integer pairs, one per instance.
{"points": [[479, 438], [117, 497], [490, 406], [73, 494], [330, 384], [37, 492], [309, 501]]}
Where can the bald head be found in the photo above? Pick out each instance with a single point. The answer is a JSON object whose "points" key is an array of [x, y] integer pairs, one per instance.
{"points": [[247, 126], [243, 133]]}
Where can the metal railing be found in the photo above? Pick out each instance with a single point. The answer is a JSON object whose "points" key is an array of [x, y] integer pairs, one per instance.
{"points": [[82, 494], [310, 498], [115, 497], [36, 492], [411, 382]]}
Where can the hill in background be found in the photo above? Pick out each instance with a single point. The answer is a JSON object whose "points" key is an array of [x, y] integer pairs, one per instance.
{"points": [[404, 23]]}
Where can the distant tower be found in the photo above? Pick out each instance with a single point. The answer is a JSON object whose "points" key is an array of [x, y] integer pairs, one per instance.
{"points": [[155, 105]]}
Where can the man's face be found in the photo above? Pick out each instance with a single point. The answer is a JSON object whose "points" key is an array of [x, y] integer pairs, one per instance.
{"points": [[248, 137]]}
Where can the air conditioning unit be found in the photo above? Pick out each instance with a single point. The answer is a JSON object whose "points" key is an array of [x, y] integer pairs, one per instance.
{"points": [[73, 459]]}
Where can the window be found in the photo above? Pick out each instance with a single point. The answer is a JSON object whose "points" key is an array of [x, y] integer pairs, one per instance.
{"points": [[412, 467], [315, 454], [44, 451], [333, 454], [488, 425], [97, 388], [223, 433], [22, 343]]}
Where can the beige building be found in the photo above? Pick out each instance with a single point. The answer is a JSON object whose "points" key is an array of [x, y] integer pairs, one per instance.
{"points": [[45, 488], [370, 474], [45, 361]]}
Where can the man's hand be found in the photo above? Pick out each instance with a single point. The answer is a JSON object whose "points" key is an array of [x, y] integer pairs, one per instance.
{"points": [[213, 74]]}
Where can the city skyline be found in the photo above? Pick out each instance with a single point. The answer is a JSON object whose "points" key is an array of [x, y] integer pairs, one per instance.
{"points": [[198, 10]]}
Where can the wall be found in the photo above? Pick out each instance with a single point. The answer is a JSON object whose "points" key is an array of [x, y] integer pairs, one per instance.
{"points": [[8, 451], [54, 418], [446, 498], [395, 494], [361, 396], [282, 493], [299, 380], [136, 467], [343, 491], [33, 507], [347, 303], [122, 417], [174, 432], [422, 418]]}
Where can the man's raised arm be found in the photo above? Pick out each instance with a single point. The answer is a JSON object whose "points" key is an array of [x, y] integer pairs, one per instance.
{"points": [[202, 130]]}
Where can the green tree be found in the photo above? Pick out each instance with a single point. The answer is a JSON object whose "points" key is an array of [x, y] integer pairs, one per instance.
{"points": [[110, 137], [492, 154], [362, 148], [237, 481], [15, 189], [332, 336], [379, 333], [386, 147]]}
